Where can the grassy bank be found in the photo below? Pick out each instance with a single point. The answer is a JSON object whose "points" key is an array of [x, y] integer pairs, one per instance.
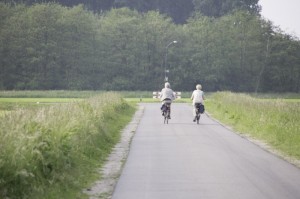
{"points": [[53, 151], [274, 121]]}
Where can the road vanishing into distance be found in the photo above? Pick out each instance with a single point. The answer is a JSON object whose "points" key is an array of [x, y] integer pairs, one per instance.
{"points": [[183, 160]]}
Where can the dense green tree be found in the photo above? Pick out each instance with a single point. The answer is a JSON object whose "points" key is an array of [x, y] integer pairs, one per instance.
{"points": [[117, 48], [45, 47], [49, 46], [94, 5], [133, 45], [244, 51], [14, 43], [78, 45], [218, 8], [282, 71], [178, 10]]}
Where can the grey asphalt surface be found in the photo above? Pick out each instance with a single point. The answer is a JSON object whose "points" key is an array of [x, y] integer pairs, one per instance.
{"points": [[183, 160]]}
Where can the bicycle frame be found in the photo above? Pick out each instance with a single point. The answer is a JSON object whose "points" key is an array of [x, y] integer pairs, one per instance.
{"points": [[166, 112], [198, 114]]}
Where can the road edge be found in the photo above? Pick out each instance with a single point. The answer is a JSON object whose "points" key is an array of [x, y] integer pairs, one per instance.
{"points": [[111, 170], [263, 145]]}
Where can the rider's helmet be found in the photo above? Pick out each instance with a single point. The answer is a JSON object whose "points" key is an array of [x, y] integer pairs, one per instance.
{"points": [[167, 85], [198, 87]]}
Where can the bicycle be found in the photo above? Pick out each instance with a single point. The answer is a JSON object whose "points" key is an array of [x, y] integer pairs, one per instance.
{"points": [[199, 110], [166, 112]]}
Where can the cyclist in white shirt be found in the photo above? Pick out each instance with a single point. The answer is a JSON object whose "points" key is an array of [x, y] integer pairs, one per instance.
{"points": [[197, 97], [167, 95]]}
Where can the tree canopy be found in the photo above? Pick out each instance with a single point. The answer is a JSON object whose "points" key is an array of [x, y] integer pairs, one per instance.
{"points": [[50, 46], [178, 10], [218, 8]]}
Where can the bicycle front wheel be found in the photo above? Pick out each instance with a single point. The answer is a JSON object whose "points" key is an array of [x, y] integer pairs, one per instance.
{"points": [[198, 117]]}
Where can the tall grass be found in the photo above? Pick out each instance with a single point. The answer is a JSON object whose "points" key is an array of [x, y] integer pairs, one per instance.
{"points": [[276, 95], [46, 152], [274, 121]]}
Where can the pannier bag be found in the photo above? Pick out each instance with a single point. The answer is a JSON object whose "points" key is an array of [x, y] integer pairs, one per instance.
{"points": [[200, 107]]}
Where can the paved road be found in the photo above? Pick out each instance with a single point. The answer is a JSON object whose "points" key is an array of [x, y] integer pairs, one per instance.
{"points": [[183, 160]]}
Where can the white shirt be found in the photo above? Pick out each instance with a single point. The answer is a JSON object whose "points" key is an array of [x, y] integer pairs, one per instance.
{"points": [[166, 93], [197, 96]]}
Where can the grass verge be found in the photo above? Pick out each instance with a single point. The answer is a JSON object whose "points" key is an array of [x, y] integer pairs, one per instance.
{"points": [[274, 121], [54, 151]]}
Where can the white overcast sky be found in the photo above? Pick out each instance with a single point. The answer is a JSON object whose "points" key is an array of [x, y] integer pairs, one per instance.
{"points": [[283, 13]]}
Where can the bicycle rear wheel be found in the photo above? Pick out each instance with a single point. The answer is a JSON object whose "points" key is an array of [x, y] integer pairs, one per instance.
{"points": [[198, 118], [166, 120], [166, 117]]}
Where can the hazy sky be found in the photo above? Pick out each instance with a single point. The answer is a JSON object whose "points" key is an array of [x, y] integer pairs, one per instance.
{"points": [[283, 13]]}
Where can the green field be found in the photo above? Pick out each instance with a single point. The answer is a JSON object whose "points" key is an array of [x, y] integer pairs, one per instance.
{"points": [[49, 94], [10, 104], [11, 100], [38, 100]]}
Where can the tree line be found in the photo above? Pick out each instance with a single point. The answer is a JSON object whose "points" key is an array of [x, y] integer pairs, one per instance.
{"points": [[51, 46], [178, 10]]}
